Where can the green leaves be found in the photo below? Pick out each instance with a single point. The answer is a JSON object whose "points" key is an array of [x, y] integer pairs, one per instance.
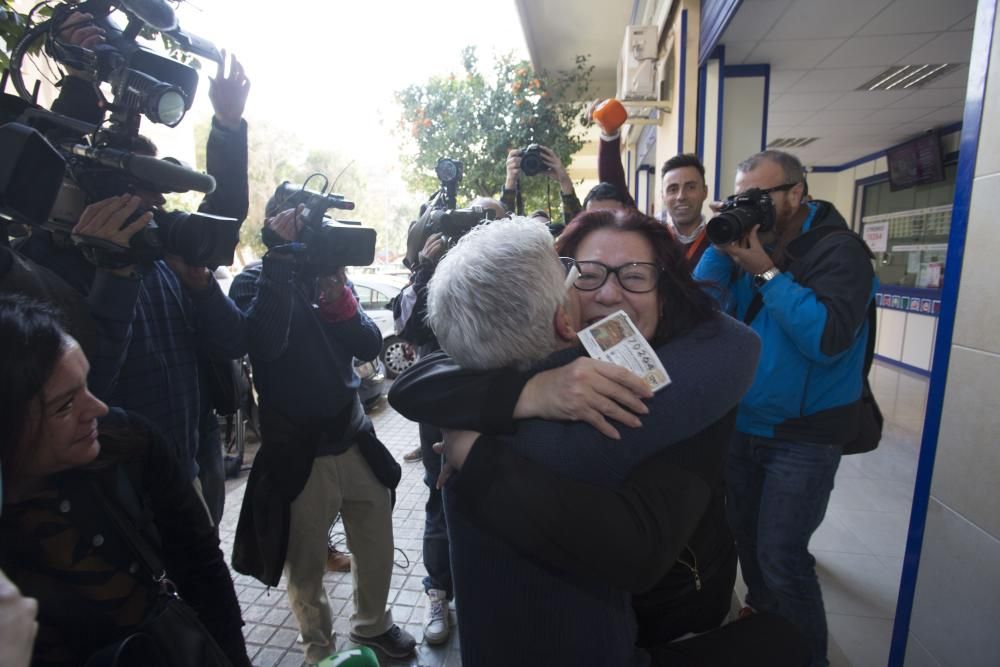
{"points": [[478, 116]]}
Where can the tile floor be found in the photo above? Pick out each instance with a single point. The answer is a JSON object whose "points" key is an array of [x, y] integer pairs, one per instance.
{"points": [[859, 548]]}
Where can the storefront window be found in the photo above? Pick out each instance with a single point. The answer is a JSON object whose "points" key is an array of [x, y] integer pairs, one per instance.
{"points": [[908, 230]]}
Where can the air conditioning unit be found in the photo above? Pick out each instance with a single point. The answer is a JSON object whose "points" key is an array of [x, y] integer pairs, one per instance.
{"points": [[637, 78]]}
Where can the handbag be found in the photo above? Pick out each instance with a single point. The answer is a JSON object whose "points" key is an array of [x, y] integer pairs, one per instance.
{"points": [[171, 635]]}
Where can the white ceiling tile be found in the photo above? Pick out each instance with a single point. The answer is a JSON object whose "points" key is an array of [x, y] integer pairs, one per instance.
{"points": [[950, 47], [918, 16], [832, 80], [869, 99], [839, 116], [951, 114], [783, 79], [968, 23], [958, 78], [824, 18], [786, 118], [794, 53], [755, 19], [737, 52], [804, 101], [896, 115], [932, 98], [876, 51]]}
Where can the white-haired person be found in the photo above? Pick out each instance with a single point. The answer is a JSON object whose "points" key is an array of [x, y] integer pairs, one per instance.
{"points": [[499, 301]]}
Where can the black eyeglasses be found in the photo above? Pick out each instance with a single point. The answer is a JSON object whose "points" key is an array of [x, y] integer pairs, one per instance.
{"points": [[779, 188], [636, 277]]}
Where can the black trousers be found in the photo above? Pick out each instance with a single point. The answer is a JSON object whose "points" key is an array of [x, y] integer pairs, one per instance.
{"points": [[763, 639]]}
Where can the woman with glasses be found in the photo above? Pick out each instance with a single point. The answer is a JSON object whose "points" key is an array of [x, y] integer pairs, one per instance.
{"points": [[71, 470], [625, 261]]}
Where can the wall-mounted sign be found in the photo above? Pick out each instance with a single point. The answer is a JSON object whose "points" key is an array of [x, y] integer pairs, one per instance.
{"points": [[876, 235]]}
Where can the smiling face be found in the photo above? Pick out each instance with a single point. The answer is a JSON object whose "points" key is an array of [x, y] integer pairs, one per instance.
{"points": [[684, 193], [64, 431], [615, 248]]}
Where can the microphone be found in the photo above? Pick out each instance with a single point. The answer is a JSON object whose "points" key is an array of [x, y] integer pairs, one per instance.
{"points": [[163, 174]]}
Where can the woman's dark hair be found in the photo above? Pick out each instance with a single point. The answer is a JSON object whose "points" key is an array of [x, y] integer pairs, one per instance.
{"points": [[31, 342], [683, 302]]}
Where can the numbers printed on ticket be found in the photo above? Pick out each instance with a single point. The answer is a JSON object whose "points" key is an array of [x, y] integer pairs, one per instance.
{"points": [[615, 339]]}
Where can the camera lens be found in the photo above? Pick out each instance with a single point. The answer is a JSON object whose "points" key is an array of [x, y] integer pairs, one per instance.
{"points": [[731, 225]]}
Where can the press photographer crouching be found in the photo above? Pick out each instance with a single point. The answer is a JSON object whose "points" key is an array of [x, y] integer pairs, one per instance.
{"points": [[100, 522], [319, 453]]}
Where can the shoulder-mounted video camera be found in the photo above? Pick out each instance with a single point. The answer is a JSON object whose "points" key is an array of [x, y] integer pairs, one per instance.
{"points": [[327, 244], [739, 214], [52, 166]]}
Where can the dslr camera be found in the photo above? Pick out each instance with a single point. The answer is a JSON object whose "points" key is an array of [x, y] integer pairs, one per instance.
{"points": [[739, 214], [326, 244], [532, 161], [53, 166]]}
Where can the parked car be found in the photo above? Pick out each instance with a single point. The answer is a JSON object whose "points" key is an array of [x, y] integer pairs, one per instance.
{"points": [[372, 374], [374, 294]]}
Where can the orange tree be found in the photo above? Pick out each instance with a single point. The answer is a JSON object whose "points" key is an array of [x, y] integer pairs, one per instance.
{"points": [[478, 117]]}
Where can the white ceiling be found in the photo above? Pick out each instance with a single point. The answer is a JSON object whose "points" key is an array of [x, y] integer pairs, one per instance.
{"points": [[821, 50]]}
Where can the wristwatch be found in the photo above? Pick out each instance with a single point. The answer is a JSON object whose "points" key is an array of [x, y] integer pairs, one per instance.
{"points": [[760, 278]]}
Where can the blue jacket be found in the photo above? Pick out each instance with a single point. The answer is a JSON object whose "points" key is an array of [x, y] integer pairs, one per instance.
{"points": [[813, 327]]}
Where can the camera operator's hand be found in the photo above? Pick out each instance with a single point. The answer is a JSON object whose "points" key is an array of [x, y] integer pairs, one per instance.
{"points": [[105, 221], [433, 249], [586, 390], [79, 30], [229, 93], [513, 169], [557, 172], [749, 253], [194, 278], [18, 625], [335, 299], [287, 224]]}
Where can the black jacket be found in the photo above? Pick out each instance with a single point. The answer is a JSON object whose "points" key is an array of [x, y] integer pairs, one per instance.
{"points": [[146, 483]]}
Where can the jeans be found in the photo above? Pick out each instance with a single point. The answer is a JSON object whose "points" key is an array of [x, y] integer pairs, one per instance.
{"points": [[436, 557], [211, 470], [777, 493]]}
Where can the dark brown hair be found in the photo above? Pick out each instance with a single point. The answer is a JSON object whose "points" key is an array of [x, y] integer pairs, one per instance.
{"points": [[683, 302]]}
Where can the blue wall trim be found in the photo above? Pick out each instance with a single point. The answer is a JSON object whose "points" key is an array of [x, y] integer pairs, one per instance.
{"points": [[968, 148], [900, 364], [699, 140], [767, 96], [682, 81], [746, 71], [715, 17], [720, 54]]}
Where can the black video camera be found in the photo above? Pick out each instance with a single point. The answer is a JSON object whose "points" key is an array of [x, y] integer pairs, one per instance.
{"points": [[532, 161], [739, 214], [53, 166], [327, 244]]}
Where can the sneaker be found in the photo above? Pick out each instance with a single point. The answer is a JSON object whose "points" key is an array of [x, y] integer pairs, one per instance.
{"points": [[413, 456], [394, 642], [437, 624], [337, 561]]}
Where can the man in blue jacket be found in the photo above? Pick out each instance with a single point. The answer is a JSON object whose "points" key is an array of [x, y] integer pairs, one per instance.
{"points": [[803, 406]]}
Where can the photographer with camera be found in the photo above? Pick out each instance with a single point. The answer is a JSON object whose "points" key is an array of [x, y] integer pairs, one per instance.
{"points": [[795, 272], [319, 454], [531, 161]]}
